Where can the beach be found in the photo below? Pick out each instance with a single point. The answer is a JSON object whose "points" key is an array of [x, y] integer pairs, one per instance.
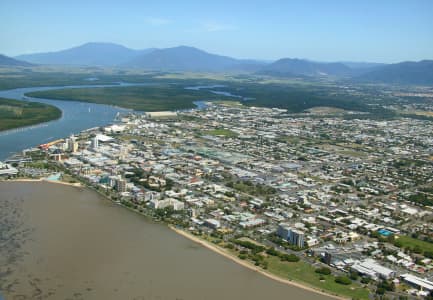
{"points": [[248, 265]]}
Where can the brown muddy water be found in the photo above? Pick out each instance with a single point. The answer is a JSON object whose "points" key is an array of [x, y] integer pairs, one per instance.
{"points": [[62, 242]]}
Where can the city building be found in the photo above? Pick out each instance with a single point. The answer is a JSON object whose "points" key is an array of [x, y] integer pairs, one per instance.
{"points": [[95, 143], [420, 283], [121, 185], [73, 144], [371, 268], [293, 236], [7, 170]]}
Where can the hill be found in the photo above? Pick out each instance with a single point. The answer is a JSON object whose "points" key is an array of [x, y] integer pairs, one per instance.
{"points": [[288, 67], [190, 59], [401, 73], [90, 54], [9, 61], [183, 58]]}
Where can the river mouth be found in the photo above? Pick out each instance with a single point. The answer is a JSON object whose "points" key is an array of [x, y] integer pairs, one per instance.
{"points": [[71, 243]]}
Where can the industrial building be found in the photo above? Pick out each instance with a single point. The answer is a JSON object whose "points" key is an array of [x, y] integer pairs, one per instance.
{"points": [[420, 283], [372, 269]]}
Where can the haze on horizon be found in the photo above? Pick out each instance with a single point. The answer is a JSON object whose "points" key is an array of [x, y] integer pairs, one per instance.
{"points": [[376, 31]]}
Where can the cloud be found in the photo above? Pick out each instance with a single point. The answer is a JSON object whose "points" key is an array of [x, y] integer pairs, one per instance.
{"points": [[157, 21], [215, 26]]}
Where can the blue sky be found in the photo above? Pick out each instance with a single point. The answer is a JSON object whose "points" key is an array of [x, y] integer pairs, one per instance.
{"points": [[326, 30]]}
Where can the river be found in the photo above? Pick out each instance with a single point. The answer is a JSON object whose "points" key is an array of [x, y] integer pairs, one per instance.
{"points": [[63, 242], [76, 116]]}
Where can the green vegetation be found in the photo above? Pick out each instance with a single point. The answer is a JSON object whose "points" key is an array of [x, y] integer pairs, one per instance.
{"points": [[37, 77], [222, 132], [343, 280], [15, 113], [249, 245], [424, 197], [141, 98], [229, 103], [251, 188], [297, 97], [414, 245], [289, 266], [385, 286], [305, 273], [294, 95], [323, 271]]}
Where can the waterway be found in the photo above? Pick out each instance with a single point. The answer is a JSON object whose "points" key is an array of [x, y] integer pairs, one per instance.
{"points": [[212, 89], [63, 242], [76, 116]]}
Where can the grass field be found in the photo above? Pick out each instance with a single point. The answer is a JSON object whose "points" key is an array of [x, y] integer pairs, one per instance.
{"points": [[407, 241], [141, 98], [15, 113], [222, 132], [305, 273], [229, 103]]}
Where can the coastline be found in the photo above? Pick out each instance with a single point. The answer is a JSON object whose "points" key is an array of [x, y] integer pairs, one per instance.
{"points": [[209, 246], [77, 184], [250, 266]]}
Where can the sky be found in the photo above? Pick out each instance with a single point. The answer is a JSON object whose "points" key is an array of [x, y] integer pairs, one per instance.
{"points": [[322, 30]]}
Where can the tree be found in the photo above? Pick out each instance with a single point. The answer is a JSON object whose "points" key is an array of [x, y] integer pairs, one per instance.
{"points": [[353, 275], [289, 257], [365, 280], [343, 280], [323, 271]]}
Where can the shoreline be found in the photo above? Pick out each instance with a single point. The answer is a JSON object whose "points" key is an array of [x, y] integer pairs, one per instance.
{"points": [[246, 264], [206, 245], [77, 184]]}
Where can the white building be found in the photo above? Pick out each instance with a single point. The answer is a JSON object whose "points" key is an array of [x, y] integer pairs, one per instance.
{"points": [[372, 269], [420, 283], [6, 170], [95, 143], [160, 204], [212, 223]]}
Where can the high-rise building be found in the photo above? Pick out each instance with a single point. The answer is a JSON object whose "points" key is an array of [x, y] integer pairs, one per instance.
{"points": [[121, 185], [283, 230], [296, 237], [73, 144], [293, 236], [95, 143]]}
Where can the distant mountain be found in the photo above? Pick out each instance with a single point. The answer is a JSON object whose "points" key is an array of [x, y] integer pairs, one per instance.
{"points": [[9, 61], [183, 58], [288, 67], [402, 73], [90, 54], [362, 65]]}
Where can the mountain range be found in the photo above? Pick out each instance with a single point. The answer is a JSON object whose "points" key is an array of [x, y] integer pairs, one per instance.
{"points": [[90, 54], [290, 67], [9, 61], [184, 59]]}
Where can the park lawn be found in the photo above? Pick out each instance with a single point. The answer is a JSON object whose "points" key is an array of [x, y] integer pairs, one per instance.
{"points": [[222, 132], [407, 241], [305, 273]]}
